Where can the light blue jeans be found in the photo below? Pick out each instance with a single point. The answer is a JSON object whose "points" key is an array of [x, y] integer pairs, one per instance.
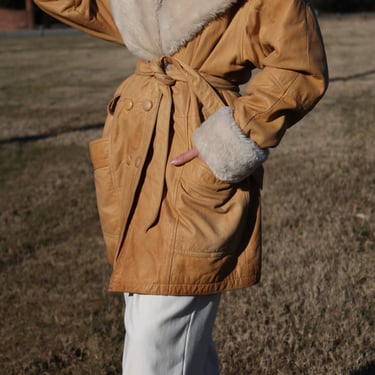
{"points": [[170, 335]]}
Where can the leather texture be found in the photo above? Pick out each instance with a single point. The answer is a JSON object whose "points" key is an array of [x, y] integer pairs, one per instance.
{"points": [[181, 230]]}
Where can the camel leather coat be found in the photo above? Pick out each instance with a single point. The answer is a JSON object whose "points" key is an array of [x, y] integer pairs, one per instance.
{"points": [[195, 228]]}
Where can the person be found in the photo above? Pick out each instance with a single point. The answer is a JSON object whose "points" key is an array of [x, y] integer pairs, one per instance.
{"points": [[178, 169]]}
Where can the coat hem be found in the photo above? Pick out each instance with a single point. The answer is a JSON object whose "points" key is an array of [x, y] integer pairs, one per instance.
{"points": [[185, 289]]}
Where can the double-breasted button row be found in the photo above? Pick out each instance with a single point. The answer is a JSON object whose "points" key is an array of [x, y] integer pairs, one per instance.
{"points": [[147, 104]]}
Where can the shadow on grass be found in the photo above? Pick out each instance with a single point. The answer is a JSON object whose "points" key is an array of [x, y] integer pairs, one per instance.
{"points": [[368, 369], [352, 76], [59, 131], [48, 134]]}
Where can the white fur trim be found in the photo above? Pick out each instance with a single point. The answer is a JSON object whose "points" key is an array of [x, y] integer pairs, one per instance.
{"points": [[138, 24], [227, 151], [180, 21], [153, 28]]}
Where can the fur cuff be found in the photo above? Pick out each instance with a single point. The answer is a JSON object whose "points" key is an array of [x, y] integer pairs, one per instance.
{"points": [[227, 151]]}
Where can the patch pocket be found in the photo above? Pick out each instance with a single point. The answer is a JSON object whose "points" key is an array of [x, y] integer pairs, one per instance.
{"points": [[201, 182], [210, 212], [107, 196]]}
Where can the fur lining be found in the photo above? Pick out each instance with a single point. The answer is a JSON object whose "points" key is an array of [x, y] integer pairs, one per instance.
{"points": [[227, 151], [153, 28]]}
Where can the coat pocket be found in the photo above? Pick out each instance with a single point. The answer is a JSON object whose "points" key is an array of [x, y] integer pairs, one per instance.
{"points": [[211, 213], [107, 195]]}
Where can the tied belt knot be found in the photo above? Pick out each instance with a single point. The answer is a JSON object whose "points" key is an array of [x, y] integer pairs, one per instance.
{"points": [[167, 70]]}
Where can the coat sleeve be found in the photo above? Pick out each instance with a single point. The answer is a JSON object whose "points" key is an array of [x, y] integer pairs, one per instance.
{"points": [[293, 73], [283, 40], [91, 16]]}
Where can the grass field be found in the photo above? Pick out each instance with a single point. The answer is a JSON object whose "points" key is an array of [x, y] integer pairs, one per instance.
{"points": [[313, 312]]}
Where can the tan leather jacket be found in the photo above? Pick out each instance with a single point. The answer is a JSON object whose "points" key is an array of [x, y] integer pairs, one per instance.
{"points": [[195, 229]]}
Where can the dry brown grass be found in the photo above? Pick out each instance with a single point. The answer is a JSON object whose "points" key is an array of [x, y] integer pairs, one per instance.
{"points": [[313, 312]]}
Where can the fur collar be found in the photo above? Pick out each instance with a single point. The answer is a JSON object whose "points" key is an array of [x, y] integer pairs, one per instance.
{"points": [[153, 28]]}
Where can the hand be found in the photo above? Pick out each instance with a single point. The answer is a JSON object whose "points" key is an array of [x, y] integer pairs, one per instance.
{"points": [[185, 157]]}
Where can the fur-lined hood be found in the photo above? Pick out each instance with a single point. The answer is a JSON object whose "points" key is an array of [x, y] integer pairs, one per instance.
{"points": [[153, 28]]}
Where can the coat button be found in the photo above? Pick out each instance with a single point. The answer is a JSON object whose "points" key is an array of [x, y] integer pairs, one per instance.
{"points": [[128, 159], [128, 104], [137, 161], [147, 105]]}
